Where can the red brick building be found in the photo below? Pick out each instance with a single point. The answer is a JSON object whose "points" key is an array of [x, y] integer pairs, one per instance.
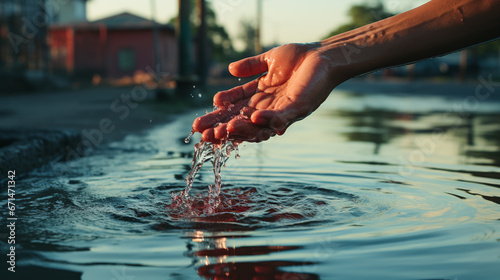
{"points": [[113, 47]]}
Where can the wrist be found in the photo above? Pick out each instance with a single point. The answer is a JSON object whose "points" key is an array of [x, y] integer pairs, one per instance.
{"points": [[356, 52], [340, 55]]}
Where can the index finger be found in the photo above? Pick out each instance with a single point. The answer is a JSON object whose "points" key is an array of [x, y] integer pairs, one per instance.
{"points": [[227, 97], [210, 120]]}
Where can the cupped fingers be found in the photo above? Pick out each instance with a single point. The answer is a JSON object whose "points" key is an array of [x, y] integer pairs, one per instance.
{"points": [[275, 120], [231, 96], [208, 135], [238, 129], [245, 130], [220, 132], [209, 120]]}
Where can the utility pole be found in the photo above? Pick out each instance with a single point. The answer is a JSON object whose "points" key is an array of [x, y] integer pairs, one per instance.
{"points": [[202, 43], [185, 80], [156, 52], [463, 65], [258, 45]]}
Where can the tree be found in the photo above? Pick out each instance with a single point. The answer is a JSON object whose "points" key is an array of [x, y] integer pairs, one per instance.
{"points": [[219, 42], [247, 36], [362, 15], [488, 49]]}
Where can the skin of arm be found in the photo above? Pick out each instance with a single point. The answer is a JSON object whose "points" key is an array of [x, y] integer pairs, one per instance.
{"points": [[297, 78]]}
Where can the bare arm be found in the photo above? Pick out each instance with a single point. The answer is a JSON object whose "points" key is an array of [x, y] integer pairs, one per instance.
{"points": [[435, 28], [300, 77]]}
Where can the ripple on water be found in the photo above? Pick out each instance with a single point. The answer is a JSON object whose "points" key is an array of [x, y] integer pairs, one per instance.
{"points": [[269, 206], [339, 198]]}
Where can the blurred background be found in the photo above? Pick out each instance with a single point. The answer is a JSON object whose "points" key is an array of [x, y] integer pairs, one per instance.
{"points": [[53, 44]]}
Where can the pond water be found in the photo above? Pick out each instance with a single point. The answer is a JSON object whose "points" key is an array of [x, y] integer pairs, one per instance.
{"points": [[367, 187]]}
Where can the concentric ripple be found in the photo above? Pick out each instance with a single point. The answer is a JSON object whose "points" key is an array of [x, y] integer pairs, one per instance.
{"points": [[280, 204]]}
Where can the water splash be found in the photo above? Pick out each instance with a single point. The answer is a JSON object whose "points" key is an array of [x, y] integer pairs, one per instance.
{"points": [[237, 152], [218, 154]]}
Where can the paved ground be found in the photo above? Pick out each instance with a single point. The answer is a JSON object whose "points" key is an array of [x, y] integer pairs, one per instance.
{"points": [[125, 109], [43, 126]]}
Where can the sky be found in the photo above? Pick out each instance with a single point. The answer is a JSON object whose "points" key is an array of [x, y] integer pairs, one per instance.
{"points": [[283, 21]]}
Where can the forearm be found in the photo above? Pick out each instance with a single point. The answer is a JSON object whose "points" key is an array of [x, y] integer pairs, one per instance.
{"points": [[433, 29]]}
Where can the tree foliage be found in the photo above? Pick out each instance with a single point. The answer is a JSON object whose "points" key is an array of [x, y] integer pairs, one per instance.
{"points": [[488, 49], [247, 36], [218, 38], [361, 15]]}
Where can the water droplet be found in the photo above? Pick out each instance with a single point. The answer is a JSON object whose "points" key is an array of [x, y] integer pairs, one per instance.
{"points": [[239, 79], [237, 152], [150, 121], [199, 95], [194, 86], [192, 96], [188, 139]]}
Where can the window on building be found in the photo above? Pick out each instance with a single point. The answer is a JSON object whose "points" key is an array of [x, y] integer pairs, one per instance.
{"points": [[126, 59]]}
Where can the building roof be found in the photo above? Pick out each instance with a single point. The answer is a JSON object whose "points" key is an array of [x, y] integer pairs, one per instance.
{"points": [[125, 20], [120, 21]]}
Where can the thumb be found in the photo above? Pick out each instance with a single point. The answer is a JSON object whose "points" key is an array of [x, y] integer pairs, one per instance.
{"points": [[249, 66]]}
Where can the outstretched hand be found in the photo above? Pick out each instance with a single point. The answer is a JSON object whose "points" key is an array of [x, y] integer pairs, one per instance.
{"points": [[298, 79]]}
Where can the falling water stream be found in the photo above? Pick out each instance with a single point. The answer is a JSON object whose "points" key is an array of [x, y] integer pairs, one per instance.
{"points": [[218, 154]]}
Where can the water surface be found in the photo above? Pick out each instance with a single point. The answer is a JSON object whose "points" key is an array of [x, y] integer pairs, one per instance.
{"points": [[368, 187]]}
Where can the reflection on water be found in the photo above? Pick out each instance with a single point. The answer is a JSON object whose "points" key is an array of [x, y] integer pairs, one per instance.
{"points": [[368, 187], [212, 253]]}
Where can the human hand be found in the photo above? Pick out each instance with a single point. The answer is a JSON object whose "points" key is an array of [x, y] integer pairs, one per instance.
{"points": [[298, 79]]}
